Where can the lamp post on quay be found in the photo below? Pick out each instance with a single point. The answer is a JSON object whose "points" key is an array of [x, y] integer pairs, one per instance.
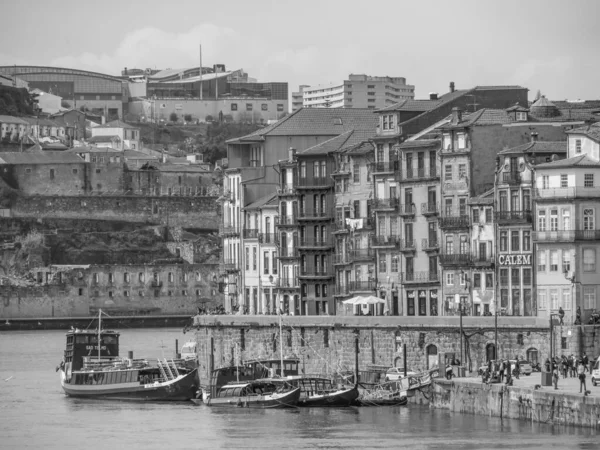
{"points": [[460, 307]]}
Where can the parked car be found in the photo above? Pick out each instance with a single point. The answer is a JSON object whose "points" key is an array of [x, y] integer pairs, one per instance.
{"points": [[396, 373], [524, 367]]}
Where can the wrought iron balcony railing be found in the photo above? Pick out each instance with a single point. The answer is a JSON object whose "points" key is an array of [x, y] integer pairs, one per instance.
{"points": [[455, 259], [420, 277], [385, 241], [430, 209], [430, 244], [250, 233], [362, 286], [506, 217], [385, 166]]}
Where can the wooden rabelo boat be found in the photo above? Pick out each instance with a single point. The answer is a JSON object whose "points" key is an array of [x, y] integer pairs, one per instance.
{"points": [[315, 391], [390, 393], [255, 394], [92, 368]]}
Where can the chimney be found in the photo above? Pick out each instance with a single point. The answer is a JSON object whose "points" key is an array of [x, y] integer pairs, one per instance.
{"points": [[452, 86], [456, 115], [433, 96], [497, 163], [292, 154], [534, 136]]}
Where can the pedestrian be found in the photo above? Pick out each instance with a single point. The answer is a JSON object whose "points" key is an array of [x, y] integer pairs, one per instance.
{"points": [[507, 368], [581, 372], [585, 361], [517, 368], [501, 371], [565, 366], [448, 372], [555, 375], [561, 315]]}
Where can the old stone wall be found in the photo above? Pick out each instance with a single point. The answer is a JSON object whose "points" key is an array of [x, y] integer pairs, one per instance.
{"points": [[326, 344], [42, 301], [187, 212]]}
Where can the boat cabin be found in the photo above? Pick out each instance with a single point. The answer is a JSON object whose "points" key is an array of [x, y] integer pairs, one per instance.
{"points": [[84, 343]]}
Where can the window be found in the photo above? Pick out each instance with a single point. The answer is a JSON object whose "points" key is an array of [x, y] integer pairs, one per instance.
{"points": [[317, 290], [554, 220], [264, 107], [541, 220], [504, 241], [542, 300], [588, 219], [234, 107], [545, 182], [489, 281], [274, 262], [461, 140], [266, 264], [126, 293], [526, 277], [589, 260], [171, 277], [475, 215], [382, 263], [464, 245], [380, 156], [514, 240], [448, 172], [394, 268], [526, 240], [52, 174], [577, 145], [477, 280], [449, 245], [589, 297], [449, 279], [564, 180], [126, 277], [566, 299], [462, 279], [279, 107], [588, 180], [488, 215], [566, 219], [248, 106], [254, 258], [553, 260], [566, 261], [356, 173], [554, 298], [74, 171], [247, 258], [521, 116], [462, 171], [541, 261], [515, 277]]}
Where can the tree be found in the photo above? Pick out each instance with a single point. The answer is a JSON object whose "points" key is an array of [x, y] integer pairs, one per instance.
{"points": [[187, 117], [173, 117], [538, 95]]}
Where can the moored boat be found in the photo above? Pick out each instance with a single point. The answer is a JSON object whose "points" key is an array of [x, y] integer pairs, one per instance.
{"points": [[92, 368], [254, 394], [316, 391], [390, 393]]}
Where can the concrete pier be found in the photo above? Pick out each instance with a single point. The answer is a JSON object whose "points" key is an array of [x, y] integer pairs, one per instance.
{"points": [[565, 406]]}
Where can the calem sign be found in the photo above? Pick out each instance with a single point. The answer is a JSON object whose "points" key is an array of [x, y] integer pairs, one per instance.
{"points": [[514, 260]]}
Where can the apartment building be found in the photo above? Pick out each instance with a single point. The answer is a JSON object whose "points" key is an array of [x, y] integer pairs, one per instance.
{"points": [[567, 237], [358, 91], [354, 259]]}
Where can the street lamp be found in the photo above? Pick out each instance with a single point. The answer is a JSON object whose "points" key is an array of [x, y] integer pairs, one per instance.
{"points": [[552, 340], [467, 282]]}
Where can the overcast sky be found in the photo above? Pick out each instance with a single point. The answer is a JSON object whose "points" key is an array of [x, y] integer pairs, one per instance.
{"points": [[550, 45]]}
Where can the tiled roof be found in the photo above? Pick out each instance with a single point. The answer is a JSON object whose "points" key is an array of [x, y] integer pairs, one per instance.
{"points": [[117, 124], [576, 161], [267, 199], [194, 168], [46, 157], [423, 143], [316, 122], [329, 146], [133, 154], [425, 104], [591, 131], [104, 139], [362, 148], [487, 198], [482, 117], [12, 119], [517, 107], [495, 88], [86, 149], [538, 147]]}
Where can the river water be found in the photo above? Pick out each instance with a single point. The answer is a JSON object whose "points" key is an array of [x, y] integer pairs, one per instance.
{"points": [[35, 414]]}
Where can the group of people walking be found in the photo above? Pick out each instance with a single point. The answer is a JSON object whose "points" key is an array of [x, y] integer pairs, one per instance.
{"points": [[502, 370], [570, 367]]}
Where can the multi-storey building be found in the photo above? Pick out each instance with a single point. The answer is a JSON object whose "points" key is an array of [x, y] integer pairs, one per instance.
{"points": [[358, 91], [297, 98], [567, 236], [260, 263], [513, 199], [354, 258], [252, 174]]}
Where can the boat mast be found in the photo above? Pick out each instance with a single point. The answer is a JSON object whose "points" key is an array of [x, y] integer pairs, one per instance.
{"points": [[99, 330], [281, 344]]}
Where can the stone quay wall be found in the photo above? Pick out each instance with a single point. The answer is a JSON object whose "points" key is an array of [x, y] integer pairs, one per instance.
{"points": [[326, 344]]}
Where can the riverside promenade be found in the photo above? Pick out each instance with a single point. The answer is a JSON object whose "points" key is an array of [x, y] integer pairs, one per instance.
{"points": [[564, 406]]}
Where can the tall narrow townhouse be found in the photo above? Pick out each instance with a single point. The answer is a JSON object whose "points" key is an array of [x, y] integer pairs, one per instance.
{"points": [[513, 197], [418, 210], [261, 265], [470, 145], [253, 174], [354, 258], [567, 236]]}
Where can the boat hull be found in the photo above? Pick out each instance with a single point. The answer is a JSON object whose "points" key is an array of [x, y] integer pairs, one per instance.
{"points": [[285, 400], [182, 388], [342, 397]]}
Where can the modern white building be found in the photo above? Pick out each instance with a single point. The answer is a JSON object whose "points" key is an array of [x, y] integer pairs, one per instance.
{"points": [[358, 91]]}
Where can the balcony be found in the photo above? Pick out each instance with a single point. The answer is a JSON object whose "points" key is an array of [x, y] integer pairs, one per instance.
{"points": [[566, 236], [384, 167], [420, 277], [342, 259], [314, 214], [455, 259], [407, 210], [342, 170], [316, 272], [250, 233], [385, 204], [286, 190], [511, 177], [287, 252], [420, 174], [341, 290], [513, 217], [317, 182], [361, 223], [362, 254], [408, 245], [430, 245], [288, 220], [315, 242], [230, 231], [458, 221], [483, 260], [231, 265], [362, 286], [567, 192], [287, 283], [268, 238], [430, 209], [390, 241]]}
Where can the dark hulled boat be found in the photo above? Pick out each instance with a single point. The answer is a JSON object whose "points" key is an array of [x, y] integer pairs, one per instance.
{"points": [[254, 394], [316, 391], [92, 368]]}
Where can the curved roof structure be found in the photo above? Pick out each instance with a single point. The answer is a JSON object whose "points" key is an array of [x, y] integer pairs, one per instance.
{"points": [[33, 70]]}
